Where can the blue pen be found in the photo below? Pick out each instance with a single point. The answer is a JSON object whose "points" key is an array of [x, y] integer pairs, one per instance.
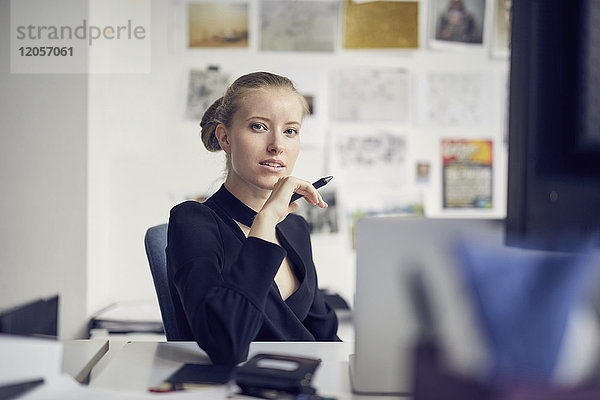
{"points": [[318, 184]]}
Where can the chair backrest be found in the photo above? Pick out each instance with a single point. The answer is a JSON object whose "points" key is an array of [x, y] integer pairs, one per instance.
{"points": [[156, 243]]}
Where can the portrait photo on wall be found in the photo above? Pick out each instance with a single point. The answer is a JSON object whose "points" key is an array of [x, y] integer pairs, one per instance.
{"points": [[457, 23], [217, 24]]}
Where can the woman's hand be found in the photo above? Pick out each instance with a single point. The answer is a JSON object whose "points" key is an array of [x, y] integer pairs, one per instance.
{"points": [[278, 206]]}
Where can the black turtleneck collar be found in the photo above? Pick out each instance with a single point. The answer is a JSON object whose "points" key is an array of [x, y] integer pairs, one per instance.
{"points": [[233, 206]]}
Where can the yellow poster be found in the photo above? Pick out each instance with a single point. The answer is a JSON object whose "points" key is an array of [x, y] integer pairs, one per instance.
{"points": [[467, 173], [381, 24]]}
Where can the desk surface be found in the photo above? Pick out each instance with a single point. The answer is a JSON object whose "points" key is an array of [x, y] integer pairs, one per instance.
{"points": [[141, 365], [80, 356]]}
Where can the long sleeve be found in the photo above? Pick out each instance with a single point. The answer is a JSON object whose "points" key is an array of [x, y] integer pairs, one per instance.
{"points": [[221, 282]]}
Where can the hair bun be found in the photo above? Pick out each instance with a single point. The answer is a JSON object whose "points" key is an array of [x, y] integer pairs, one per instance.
{"points": [[209, 125]]}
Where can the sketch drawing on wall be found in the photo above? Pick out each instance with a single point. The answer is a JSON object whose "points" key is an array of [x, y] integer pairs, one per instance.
{"points": [[298, 25], [371, 95], [204, 87], [372, 157], [456, 99]]}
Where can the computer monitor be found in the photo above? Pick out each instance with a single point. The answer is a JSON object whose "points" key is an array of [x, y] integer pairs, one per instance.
{"points": [[554, 128], [35, 318]]}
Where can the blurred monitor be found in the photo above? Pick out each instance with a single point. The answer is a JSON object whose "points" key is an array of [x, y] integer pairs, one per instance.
{"points": [[36, 318], [389, 250], [554, 128]]}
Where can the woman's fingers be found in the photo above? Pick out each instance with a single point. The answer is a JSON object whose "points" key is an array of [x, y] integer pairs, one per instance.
{"points": [[316, 200], [284, 188], [306, 189]]}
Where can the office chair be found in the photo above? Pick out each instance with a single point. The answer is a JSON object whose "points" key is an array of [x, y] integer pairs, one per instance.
{"points": [[156, 242]]}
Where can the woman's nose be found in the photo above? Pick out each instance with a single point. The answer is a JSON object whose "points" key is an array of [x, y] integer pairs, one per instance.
{"points": [[276, 144], [275, 148]]}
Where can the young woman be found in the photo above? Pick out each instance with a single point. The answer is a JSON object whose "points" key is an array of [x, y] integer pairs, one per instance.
{"points": [[240, 265]]}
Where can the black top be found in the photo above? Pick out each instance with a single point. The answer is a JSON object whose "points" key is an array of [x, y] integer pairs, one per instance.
{"points": [[222, 283]]}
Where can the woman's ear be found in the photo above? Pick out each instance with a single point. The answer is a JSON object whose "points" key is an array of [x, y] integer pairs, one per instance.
{"points": [[223, 138]]}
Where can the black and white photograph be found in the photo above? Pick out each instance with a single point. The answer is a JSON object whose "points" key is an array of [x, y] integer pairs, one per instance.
{"points": [[204, 87], [321, 220]]}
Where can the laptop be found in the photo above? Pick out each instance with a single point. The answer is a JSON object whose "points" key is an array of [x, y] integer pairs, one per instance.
{"points": [[388, 251]]}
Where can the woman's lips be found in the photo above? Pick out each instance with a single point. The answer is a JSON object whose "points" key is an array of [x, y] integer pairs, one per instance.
{"points": [[272, 163]]}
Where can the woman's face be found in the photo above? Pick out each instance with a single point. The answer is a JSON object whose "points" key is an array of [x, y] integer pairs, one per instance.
{"points": [[263, 141]]}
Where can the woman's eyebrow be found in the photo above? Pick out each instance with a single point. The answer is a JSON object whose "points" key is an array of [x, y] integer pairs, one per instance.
{"points": [[269, 120], [258, 117]]}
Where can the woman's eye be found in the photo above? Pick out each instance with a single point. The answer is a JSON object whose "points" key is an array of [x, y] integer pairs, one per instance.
{"points": [[258, 127], [291, 131]]}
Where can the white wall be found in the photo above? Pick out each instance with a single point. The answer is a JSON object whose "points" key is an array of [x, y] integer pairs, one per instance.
{"points": [[144, 156], [43, 176], [90, 162]]}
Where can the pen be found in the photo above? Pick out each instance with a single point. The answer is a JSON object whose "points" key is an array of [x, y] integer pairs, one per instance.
{"points": [[320, 183]]}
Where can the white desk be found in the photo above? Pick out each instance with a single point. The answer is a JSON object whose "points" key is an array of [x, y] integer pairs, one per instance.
{"points": [[80, 356], [141, 365]]}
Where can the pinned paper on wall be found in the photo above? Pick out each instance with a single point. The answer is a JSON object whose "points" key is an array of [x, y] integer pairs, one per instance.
{"points": [[378, 156], [298, 25], [379, 95], [204, 87], [312, 84], [423, 170], [502, 22], [381, 24], [467, 173], [457, 24], [321, 220], [456, 99], [217, 24]]}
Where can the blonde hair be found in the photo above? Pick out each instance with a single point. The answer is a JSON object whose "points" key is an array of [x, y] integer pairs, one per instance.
{"points": [[223, 109]]}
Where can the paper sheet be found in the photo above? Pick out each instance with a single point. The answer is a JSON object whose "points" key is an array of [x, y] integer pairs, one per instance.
{"points": [[24, 358], [456, 99], [369, 156], [371, 95], [65, 388], [298, 25]]}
